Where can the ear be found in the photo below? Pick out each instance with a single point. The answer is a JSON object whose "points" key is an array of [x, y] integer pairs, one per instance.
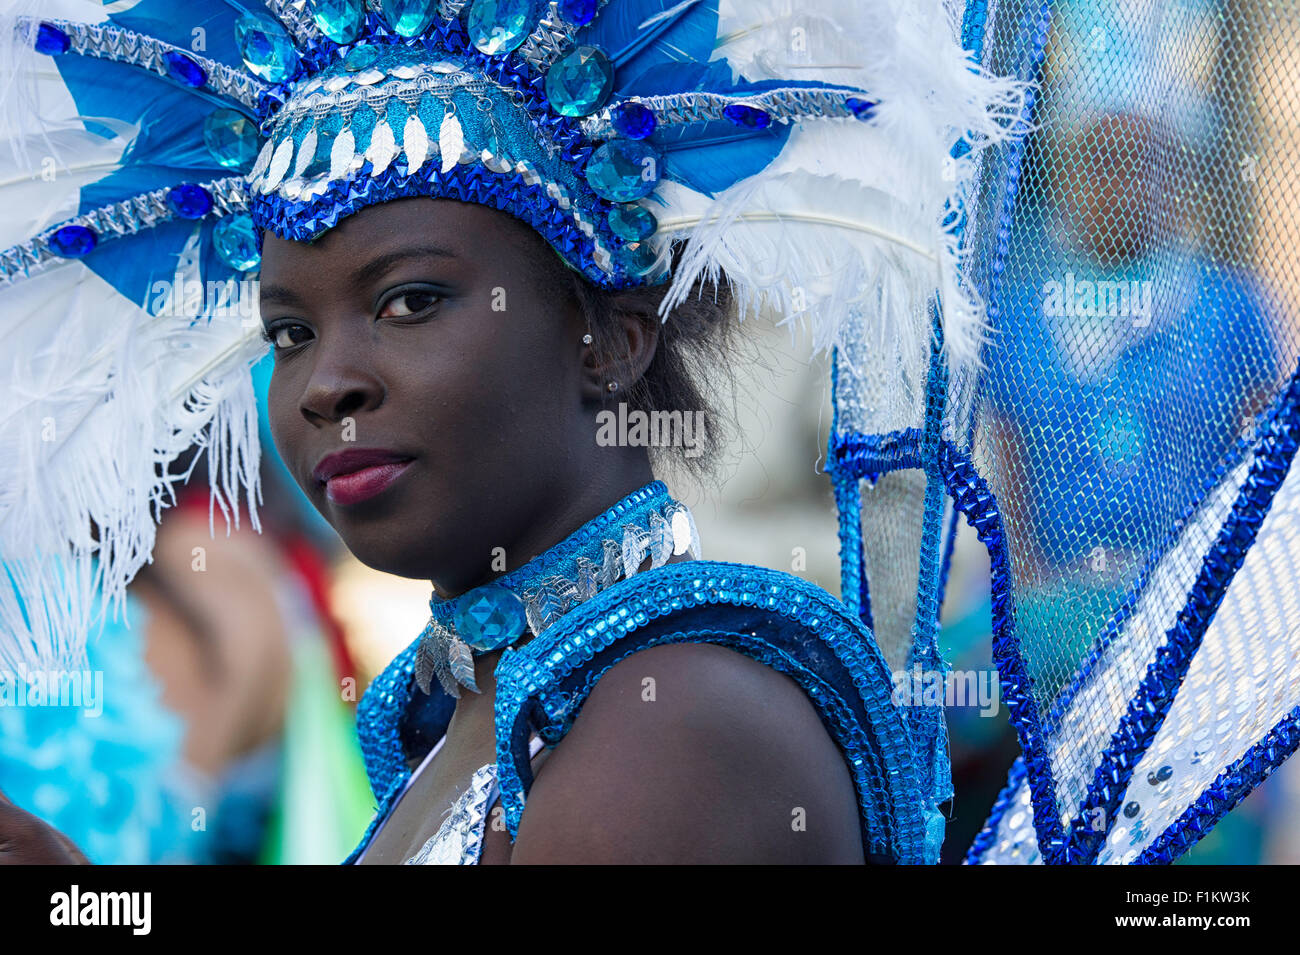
{"points": [[624, 356]]}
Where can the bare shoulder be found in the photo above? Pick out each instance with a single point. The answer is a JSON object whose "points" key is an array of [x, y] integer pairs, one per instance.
{"points": [[692, 752]]}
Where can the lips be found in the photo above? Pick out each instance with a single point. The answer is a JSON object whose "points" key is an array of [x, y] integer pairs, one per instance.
{"points": [[359, 474]]}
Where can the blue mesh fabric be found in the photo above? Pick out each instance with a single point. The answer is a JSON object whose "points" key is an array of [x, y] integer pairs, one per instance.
{"points": [[1134, 420]]}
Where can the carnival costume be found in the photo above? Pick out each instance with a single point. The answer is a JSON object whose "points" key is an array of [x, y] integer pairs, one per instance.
{"points": [[848, 166]]}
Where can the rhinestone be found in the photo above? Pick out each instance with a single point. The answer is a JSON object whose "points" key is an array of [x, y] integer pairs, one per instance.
{"points": [[409, 17], [623, 170], [751, 117], [340, 20], [189, 201], [579, 12], [73, 241], [51, 41], [633, 120], [579, 83], [861, 108], [236, 242], [1132, 809], [231, 138], [498, 26], [266, 48], [183, 69], [489, 617], [632, 223], [359, 58]]}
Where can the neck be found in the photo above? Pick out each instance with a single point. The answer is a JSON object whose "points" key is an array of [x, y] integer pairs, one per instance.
{"points": [[581, 502]]}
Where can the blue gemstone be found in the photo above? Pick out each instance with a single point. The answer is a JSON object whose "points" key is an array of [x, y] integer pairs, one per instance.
{"points": [[633, 120], [579, 83], [489, 617], [623, 170], [231, 138], [639, 259], [861, 108], [51, 41], [189, 201], [235, 240], [409, 17], [73, 241], [499, 26], [359, 58], [340, 20], [632, 223], [266, 48], [750, 117], [183, 69], [579, 12]]}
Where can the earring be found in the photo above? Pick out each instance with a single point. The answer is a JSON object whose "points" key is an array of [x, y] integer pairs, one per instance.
{"points": [[586, 339], [612, 386]]}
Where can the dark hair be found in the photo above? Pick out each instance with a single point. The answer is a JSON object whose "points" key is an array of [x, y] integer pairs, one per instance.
{"points": [[692, 368]]}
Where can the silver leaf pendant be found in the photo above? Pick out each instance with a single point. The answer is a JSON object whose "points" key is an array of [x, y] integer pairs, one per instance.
{"points": [[431, 656], [451, 141], [461, 660]]}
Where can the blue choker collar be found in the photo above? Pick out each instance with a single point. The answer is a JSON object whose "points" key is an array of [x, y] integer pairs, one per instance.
{"points": [[608, 548]]}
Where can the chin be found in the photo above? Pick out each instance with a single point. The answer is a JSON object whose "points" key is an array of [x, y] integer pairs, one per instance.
{"points": [[383, 553]]}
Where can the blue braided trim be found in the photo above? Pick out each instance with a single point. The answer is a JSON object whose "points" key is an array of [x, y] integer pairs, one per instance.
{"points": [[1147, 710], [856, 453], [776, 618], [1232, 786], [988, 836]]}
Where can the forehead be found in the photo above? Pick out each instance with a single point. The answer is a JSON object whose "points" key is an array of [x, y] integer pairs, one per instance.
{"points": [[463, 229]]}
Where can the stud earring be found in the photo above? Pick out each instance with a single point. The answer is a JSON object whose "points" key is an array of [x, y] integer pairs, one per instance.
{"points": [[612, 386], [586, 339]]}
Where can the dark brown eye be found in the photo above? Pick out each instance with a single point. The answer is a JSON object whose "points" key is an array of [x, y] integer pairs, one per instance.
{"points": [[282, 336], [408, 303]]}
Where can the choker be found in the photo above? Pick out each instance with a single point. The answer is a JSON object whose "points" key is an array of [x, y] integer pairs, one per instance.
{"points": [[608, 548]]}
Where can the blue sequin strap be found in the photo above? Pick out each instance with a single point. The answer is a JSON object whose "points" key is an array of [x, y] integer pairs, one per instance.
{"points": [[772, 617]]}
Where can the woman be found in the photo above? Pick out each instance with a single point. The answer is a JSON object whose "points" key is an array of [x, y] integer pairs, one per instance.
{"points": [[460, 271]]}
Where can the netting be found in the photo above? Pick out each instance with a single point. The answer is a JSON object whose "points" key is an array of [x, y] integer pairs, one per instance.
{"points": [[1139, 255], [1130, 434]]}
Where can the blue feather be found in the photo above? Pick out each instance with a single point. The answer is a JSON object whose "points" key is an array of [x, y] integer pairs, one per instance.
{"points": [[686, 32], [710, 157]]}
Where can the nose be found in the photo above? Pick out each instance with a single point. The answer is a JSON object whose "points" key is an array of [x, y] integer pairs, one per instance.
{"points": [[343, 382]]}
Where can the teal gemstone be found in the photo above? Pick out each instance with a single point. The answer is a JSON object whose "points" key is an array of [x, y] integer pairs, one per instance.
{"points": [[631, 222], [340, 20], [231, 138], [266, 48], [235, 240], [579, 83], [409, 17], [499, 26], [359, 58], [639, 259], [623, 170], [489, 617]]}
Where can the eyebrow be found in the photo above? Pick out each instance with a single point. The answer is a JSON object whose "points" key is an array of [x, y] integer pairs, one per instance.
{"points": [[369, 272], [378, 266]]}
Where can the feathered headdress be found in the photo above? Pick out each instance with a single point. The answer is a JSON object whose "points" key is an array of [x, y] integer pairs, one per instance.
{"points": [[804, 153]]}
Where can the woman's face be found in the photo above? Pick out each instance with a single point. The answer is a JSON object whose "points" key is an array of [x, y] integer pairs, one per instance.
{"points": [[442, 337]]}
